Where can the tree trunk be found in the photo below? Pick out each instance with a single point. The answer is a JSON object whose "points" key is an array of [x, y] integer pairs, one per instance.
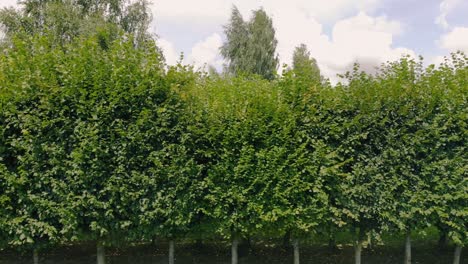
{"points": [[359, 238], [331, 244], [457, 255], [198, 243], [101, 254], [250, 244], [286, 239], [442, 243], [332, 241], [408, 248], [171, 251], [370, 240], [35, 256], [296, 251], [357, 251], [234, 246]]}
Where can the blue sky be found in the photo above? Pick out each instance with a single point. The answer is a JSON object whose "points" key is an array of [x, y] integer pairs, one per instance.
{"points": [[418, 18], [337, 32]]}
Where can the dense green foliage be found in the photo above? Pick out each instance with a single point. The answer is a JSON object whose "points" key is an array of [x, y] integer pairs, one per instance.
{"points": [[250, 47], [102, 143], [66, 20]]}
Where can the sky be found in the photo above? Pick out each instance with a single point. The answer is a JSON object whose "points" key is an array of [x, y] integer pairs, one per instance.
{"points": [[338, 33]]}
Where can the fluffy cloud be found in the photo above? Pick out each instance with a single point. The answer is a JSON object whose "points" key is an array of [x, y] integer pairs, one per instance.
{"points": [[169, 51], [446, 6], [361, 38], [455, 40], [207, 51], [218, 9], [364, 39], [203, 53], [436, 60], [8, 3]]}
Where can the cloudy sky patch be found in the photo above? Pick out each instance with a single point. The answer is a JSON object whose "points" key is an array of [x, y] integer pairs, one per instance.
{"points": [[337, 32]]}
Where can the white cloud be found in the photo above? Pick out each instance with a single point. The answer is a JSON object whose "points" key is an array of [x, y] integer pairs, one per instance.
{"points": [[455, 40], [220, 9], [436, 60], [169, 51], [207, 51], [8, 3], [446, 6], [362, 38], [366, 38], [293, 28], [203, 52]]}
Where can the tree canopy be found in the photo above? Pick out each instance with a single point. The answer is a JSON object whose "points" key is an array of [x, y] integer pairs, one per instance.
{"points": [[250, 47], [304, 66], [68, 19]]}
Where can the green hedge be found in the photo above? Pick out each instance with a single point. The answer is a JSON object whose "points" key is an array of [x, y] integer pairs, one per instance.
{"points": [[107, 144]]}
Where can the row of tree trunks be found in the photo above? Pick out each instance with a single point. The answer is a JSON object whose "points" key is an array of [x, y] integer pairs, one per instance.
{"points": [[235, 246], [101, 254], [101, 259]]}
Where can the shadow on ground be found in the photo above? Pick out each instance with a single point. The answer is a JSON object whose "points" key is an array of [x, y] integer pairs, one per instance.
{"points": [[219, 254]]}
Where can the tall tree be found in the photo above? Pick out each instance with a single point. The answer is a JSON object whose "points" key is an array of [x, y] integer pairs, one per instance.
{"points": [[304, 66], [251, 47], [261, 49], [234, 49]]}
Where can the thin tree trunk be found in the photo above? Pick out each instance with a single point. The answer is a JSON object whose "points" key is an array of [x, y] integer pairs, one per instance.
{"points": [[35, 256], [332, 241], [359, 238], [370, 240], [250, 245], [198, 243], [296, 251], [442, 243], [457, 254], [286, 239], [408, 248], [171, 251], [357, 251], [234, 246], [331, 244], [101, 254]]}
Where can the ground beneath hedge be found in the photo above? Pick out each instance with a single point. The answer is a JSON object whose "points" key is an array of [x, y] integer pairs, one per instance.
{"points": [[219, 254]]}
